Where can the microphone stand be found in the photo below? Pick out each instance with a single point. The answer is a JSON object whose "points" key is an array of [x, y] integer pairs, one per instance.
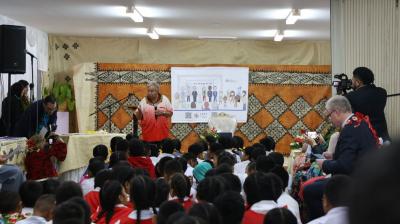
{"points": [[109, 110], [32, 85]]}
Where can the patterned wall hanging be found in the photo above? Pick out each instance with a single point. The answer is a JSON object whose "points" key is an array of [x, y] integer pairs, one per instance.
{"points": [[282, 100]]}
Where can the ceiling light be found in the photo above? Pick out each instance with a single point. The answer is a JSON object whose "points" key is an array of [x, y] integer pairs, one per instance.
{"points": [[278, 36], [294, 15], [134, 14], [153, 34]]}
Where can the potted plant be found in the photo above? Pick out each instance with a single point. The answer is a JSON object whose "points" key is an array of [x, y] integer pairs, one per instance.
{"points": [[63, 94]]}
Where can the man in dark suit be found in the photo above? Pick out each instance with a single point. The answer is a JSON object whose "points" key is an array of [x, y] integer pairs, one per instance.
{"points": [[369, 100], [40, 115], [355, 139]]}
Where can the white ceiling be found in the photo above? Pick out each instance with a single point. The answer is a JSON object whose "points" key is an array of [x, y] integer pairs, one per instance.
{"points": [[244, 19]]}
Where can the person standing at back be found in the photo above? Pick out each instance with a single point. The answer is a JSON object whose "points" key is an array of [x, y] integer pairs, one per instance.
{"points": [[369, 100]]}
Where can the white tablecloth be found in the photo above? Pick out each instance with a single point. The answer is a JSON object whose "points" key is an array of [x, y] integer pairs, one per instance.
{"points": [[80, 149]]}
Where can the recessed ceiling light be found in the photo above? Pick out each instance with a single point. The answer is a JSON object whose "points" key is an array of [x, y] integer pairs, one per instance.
{"points": [[294, 15], [278, 36], [153, 34], [134, 14]]}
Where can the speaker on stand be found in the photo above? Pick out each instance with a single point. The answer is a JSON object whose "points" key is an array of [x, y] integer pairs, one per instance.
{"points": [[12, 54]]}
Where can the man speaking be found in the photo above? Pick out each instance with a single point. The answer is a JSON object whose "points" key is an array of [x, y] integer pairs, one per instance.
{"points": [[369, 100]]}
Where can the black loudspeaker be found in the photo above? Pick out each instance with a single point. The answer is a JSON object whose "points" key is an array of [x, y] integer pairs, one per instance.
{"points": [[12, 49]]}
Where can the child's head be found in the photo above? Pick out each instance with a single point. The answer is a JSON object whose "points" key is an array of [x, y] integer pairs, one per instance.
{"points": [[190, 158], [280, 215], [162, 192], [233, 181], [336, 192], [122, 146], [30, 191], [142, 192], [238, 142], [111, 194], [167, 146], [207, 212], [180, 186], [262, 186], [101, 177], [114, 141], [123, 174], [10, 202], [277, 158], [269, 143], [264, 164], [195, 149], [231, 207], [117, 157], [209, 188], [171, 167], [176, 144], [282, 174], [161, 165], [95, 165], [68, 211], [100, 151], [50, 186], [67, 190], [44, 206], [136, 147], [85, 207], [167, 209]]}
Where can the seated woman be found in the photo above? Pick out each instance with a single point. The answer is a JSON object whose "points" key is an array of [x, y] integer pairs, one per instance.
{"points": [[113, 200], [38, 160]]}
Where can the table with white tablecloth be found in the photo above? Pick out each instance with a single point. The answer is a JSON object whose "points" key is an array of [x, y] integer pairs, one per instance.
{"points": [[80, 151]]}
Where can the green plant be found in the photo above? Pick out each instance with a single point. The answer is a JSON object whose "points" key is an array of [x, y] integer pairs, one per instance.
{"points": [[63, 93]]}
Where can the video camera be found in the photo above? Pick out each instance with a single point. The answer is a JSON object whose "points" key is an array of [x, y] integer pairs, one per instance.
{"points": [[342, 84]]}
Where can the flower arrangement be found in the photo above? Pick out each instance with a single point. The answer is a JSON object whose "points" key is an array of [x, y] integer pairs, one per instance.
{"points": [[209, 133], [298, 140]]}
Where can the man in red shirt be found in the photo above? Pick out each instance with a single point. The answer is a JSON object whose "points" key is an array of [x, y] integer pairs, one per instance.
{"points": [[154, 112]]}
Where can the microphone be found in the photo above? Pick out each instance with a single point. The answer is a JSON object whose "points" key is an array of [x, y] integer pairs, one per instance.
{"points": [[155, 108], [30, 54]]}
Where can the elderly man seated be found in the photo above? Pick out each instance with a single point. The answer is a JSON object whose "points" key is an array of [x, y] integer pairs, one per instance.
{"points": [[355, 139]]}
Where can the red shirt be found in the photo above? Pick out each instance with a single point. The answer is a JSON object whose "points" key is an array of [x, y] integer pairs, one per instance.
{"points": [[187, 203], [251, 217], [93, 199], [38, 164], [154, 128], [144, 163], [120, 215]]}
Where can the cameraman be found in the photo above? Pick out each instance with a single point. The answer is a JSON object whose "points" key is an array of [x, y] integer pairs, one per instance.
{"points": [[369, 100]]}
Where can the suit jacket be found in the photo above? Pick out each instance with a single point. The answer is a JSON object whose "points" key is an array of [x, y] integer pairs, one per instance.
{"points": [[371, 100], [26, 126], [355, 139]]}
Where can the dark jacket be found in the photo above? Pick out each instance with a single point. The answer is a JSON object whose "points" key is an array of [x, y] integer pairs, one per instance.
{"points": [[26, 126], [371, 100], [353, 142], [16, 112]]}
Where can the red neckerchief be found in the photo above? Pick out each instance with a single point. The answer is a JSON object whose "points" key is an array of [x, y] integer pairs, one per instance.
{"points": [[356, 121]]}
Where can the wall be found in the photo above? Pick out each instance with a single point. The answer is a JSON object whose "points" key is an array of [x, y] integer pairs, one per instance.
{"points": [[37, 44], [65, 52], [367, 33]]}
